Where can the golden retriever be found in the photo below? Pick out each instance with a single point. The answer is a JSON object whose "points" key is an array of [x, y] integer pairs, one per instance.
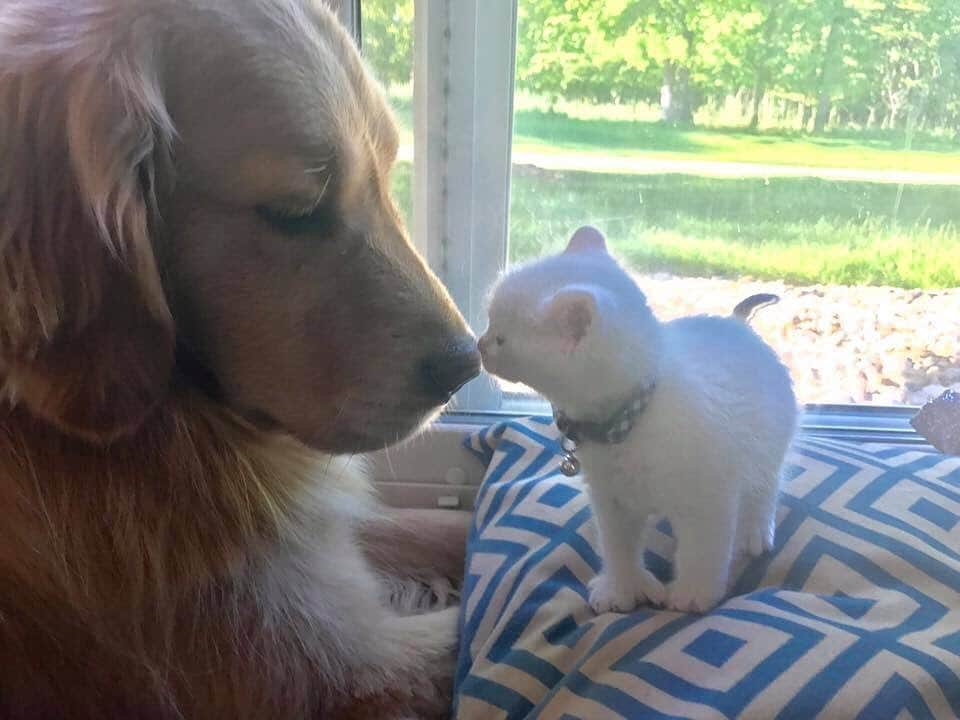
{"points": [[207, 303]]}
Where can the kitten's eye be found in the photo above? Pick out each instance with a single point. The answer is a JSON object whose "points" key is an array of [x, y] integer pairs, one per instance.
{"points": [[321, 220], [500, 339]]}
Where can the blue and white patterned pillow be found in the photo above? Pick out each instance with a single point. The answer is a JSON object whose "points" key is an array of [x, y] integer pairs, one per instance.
{"points": [[856, 613]]}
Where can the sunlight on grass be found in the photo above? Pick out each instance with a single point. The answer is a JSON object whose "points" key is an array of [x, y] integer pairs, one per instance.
{"points": [[845, 255], [611, 130], [543, 132], [801, 230]]}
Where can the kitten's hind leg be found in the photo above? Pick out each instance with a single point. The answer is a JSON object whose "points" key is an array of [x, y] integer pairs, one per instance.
{"points": [[757, 522], [702, 562], [623, 583]]}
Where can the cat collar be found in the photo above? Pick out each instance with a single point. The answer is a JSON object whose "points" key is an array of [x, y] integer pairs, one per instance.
{"points": [[612, 431]]}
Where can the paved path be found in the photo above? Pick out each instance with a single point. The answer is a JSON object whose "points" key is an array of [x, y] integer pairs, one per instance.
{"points": [[653, 165]]}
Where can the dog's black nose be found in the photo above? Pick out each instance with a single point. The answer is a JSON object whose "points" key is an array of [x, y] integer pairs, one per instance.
{"points": [[445, 372]]}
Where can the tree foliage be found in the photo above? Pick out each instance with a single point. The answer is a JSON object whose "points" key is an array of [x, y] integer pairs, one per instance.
{"points": [[387, 41], [817, 63]]}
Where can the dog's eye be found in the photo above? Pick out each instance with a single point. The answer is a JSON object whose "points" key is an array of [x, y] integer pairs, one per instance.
{"points": [[500, 339], [319, 221]]}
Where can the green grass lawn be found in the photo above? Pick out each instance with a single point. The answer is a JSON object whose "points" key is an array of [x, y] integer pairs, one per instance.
{"points": [[541, 131], [801, 230], [546, 132]]}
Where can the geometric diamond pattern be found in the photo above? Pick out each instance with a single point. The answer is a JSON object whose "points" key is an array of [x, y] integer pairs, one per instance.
{"points": [[855, 613], [566, 632], [558, 496], [855, 608], [934, 513], [950, 642], [714, 647]]}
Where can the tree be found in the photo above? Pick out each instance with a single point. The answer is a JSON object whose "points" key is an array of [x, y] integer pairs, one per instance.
{"points": [[699, 45], [563, 52], [761, 52], [836, 15], [387, 27], [672, 30], [914, 39], [821, 62]]}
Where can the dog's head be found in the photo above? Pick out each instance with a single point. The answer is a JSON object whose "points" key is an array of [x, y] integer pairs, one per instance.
{"points": [[199, 190]]}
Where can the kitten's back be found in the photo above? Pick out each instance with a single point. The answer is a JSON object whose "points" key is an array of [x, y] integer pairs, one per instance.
{"points": [[734, 368]]}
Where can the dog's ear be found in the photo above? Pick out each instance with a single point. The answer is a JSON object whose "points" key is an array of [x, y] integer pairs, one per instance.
{"points": [[86, 337]]}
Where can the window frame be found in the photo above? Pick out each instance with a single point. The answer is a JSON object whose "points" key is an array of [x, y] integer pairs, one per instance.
{"points": [[463, 130], [463, 138], [350, 16], [436, 470]]}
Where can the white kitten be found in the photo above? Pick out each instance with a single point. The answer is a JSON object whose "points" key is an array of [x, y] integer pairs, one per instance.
{"points": [[689, 419]]}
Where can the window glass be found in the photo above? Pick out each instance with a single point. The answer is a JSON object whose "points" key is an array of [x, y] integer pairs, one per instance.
{"points": [[387, 42], [809, 148]]}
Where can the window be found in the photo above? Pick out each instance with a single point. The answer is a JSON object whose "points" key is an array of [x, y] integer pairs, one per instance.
{"points": [[387, 45], [810, 148]]}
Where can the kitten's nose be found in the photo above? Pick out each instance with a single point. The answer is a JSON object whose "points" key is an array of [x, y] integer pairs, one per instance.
{"points": [[482, 344], [445, 372]]}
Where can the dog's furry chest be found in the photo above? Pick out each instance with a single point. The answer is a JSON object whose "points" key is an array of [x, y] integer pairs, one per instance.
{"points": [[133, 586], [252, 643]]}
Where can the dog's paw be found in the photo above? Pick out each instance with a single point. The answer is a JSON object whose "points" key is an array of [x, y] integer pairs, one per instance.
{"points": [[410, 596], [692, 596], [605, 596], [431, 684]]}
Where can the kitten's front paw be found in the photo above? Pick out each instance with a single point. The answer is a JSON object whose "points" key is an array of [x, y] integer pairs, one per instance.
{"points": [[686, 595], [649, 588], [605, 597]]}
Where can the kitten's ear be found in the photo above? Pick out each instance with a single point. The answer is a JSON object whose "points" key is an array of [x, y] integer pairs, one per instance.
{"points": [[587, 239], [569, 313]]}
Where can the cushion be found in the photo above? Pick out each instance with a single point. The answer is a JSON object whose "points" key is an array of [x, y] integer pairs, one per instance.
{"points": [[855, 614]]}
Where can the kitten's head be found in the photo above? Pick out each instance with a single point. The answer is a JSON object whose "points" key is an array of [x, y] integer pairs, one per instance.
{"points": [[572, 326]]}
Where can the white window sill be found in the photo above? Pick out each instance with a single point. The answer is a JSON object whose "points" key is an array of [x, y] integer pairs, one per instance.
{"points": [[435, 470]]}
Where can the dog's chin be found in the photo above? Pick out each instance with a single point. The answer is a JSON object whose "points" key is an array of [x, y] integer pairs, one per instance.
{"points": [[386, 429]]}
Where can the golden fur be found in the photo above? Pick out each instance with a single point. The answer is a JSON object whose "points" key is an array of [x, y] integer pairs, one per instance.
{"points": [[185, 376]]}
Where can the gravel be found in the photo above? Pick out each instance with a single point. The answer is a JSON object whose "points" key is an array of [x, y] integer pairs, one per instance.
{"points": [[880, 345]]}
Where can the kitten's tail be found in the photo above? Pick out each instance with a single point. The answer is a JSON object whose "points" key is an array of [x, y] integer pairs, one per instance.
{"points": [[745, 309]]}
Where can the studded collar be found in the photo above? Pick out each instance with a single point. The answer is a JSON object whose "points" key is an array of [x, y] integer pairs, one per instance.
{"points": [[615, 428]]}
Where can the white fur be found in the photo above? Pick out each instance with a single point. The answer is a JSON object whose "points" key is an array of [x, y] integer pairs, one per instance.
{"points": [[707, 452]]}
